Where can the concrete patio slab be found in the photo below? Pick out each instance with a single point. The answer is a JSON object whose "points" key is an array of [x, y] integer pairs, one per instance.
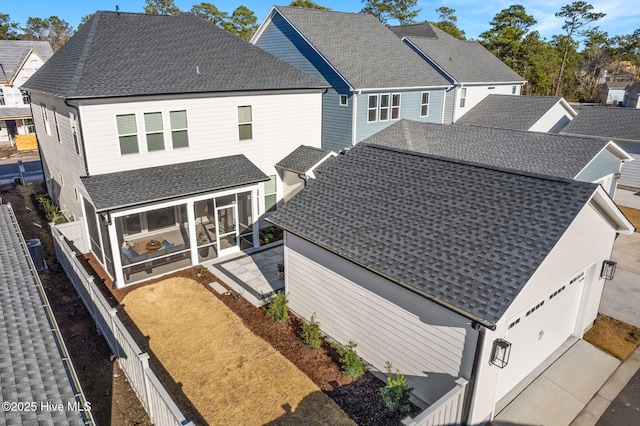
{"points": [[626, 252], [562, 391], [620, 297]]}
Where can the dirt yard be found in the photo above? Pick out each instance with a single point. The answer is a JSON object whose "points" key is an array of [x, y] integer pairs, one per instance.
{"points": [[230, 375], [633, 215], [613, 336]]}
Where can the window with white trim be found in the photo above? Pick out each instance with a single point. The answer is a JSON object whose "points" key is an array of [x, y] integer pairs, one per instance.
{"points": [[26, 99], [55, 122], [514, 90], [245, 122], [344, 100], [372, 109], [45, 119], [179, 133], [424, 104], [127, 133], [74, 133], [2, 101], [395, 106], [270, 194], [463, 97], [384, 107], [154, 131]]}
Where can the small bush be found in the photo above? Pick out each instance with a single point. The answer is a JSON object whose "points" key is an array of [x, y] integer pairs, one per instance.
{"points": [[46, 205], [352, 364], [277, 309], [396, 393], [311, 333]]}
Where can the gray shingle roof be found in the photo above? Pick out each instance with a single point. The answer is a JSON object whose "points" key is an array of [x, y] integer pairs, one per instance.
{"points": [[132, 187], [509, 111], [362, 49], [423, 29], [13, 53], [31, 368], [466, 236], [130, 54], [610, 122], [15, 112], [302, 159], [465, 61], [541, 153]]}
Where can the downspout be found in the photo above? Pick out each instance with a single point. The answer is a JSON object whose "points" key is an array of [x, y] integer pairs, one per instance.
{"points": [[84, 151], [470, 395], [354, 116]]}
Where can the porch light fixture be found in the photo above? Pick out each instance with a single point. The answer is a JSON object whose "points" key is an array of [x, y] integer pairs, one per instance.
{"points": [[616, 176], [500, 353], [608, 269]]}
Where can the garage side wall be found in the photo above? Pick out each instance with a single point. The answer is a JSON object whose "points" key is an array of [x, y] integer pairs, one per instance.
{"points": [[431, 345]]}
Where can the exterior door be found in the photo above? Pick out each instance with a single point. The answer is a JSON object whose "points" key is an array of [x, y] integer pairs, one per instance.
{"points": [[12, 128], [227, 229]]}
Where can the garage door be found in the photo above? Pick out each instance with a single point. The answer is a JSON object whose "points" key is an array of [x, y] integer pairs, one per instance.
{"points": [[539, 330], [630, 173]]}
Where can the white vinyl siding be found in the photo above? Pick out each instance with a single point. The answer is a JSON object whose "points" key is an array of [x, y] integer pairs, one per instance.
{"points": [[245, 122], [154, 131], [424, 104], [127, 133]]}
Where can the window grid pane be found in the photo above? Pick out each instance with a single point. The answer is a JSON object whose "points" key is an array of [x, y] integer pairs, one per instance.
{"points": [[424, 105], [153, 122], [245, 132], [178, 120], [126, 124], [128, 144], [155, 141], [180, 139], [244, 114]]}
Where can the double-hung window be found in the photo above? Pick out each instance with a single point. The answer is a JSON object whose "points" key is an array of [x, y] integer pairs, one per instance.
{"points": [[179, 134], [344, 100], [55, 122], [384, 107], [395, 106], [270, 198], [154, 130], [514, 89], [245, 122], [45, 119], [26, 99], [74, 132], [463, 97], [424, 104], [372, 109], [127, 133]]}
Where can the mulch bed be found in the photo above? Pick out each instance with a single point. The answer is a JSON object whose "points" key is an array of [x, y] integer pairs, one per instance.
{"points": [[613, 336], [633, 215]]}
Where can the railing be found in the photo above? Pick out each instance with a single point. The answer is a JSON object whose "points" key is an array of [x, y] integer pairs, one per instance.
{"points": [[161, 409], [445, 411]]}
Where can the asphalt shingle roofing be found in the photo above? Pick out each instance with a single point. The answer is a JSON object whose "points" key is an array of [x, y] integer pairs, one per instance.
{"points": [[610, 122], [541, 153], [13, 53], [466, 236], [362, 49], [466, 61], [302, 159], [509, 111], [133, 187], [31, 369], [127, 54]]}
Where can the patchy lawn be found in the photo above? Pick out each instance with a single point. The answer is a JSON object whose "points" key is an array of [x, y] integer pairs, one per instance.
{"points": [[613, 336], [230, 375], [633, 215]]}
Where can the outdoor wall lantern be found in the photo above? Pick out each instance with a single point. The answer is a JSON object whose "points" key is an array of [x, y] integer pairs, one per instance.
{"points": [[500, 353], [616, 176], [608, 269]]}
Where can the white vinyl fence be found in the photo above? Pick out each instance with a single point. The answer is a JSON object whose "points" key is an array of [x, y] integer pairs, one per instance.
{"points": [[156, 401], [445, 411]]}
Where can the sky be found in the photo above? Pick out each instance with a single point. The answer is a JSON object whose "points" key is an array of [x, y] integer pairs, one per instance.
{"points": [[474, 16]]}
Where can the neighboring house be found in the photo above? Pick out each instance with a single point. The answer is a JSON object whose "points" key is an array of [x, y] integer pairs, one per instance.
{"points": [[163, 132], [548, 114], [619, 124], [442, 263], [19, 59], [375, 78], [300, 166], [473, 70], [585, 159], [613, 92], [631, 95]]}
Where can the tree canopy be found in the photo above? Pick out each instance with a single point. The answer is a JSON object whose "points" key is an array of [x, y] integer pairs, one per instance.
{"points": [[447, 22], [52, 29], [308, 4], [403, 11], [8, 28], [161, 7]]}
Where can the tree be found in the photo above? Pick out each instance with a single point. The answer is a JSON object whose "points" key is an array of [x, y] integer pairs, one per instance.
{"points": [[53, 29], [448, 21], [593, 63], [84, 20], [624, 46], [308, 4], [401, 10], [507, 32], [210, 13], [161, 7], [8, 28], [243, 23], [576, 15]]}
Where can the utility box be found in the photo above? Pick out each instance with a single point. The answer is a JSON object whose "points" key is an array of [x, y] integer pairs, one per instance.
{"points": [[35, 250]]}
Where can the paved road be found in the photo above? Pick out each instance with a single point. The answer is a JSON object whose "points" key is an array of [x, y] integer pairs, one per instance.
{"points": [[9, 171], [625, 409]]}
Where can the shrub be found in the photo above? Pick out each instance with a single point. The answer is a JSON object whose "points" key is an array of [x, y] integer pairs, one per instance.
{"points": [[396, 393], [311, 333], [352, 364], [46, 205], [277, 309]]}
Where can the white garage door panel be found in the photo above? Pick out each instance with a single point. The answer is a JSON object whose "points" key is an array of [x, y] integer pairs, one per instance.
{"points": [[539, 330]]}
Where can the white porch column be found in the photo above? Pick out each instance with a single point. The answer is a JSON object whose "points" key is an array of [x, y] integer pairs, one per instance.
{"points": [[254, 213], [115, 252], [193, 240]]}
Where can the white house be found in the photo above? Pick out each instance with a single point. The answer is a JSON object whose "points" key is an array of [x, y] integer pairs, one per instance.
{"points": [[19, 60], [548, 114], [632, 95], [445, 267], [474, 72], [162, 133]]}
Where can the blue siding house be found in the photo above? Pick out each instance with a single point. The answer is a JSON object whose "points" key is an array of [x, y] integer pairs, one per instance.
{"points": [[375, 78]]}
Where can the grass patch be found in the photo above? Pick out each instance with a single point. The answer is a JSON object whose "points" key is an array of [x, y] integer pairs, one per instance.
{"points": [[633, 215], [230, 375], [613, 336]]}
